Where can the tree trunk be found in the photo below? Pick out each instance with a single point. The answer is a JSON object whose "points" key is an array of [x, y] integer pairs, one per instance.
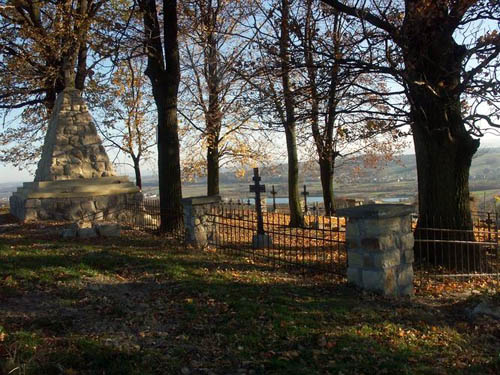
{"points": [[169, 171], [443, 148], [81, 67], [213, 169], [213, 116], [164, 72], [443, 194], [296, 214], [326, 169], [137, 170]]}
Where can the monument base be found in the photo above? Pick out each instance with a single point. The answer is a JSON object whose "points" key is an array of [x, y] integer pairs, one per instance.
{"points": [[79, 199]]}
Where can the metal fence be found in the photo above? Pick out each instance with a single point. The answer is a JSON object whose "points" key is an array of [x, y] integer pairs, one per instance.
{"points": [[458, 253], [319, 246], [145, 216]]}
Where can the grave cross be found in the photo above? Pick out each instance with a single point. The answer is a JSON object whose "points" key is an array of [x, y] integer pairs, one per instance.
{"points": [[305, 193], [274, 192], [257, 188]]}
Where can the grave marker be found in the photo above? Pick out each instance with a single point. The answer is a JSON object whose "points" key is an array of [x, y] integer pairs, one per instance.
{"points": [[257, 188], [273, 193], [260, 239], [305, 193]]}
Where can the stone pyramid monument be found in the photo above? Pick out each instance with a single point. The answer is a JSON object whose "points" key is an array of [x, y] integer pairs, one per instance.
{"points": [[74, 179], [72, 148]]}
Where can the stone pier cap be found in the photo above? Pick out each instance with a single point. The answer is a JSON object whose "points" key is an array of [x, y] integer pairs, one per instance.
{"points": [[377, 211], [196, 201]]}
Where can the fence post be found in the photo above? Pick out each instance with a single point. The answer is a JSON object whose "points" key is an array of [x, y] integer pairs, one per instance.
{"points": [[199, 220], [379, 244]]}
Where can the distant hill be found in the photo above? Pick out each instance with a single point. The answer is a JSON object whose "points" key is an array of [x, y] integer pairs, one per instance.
{"points": [[485, 166]]}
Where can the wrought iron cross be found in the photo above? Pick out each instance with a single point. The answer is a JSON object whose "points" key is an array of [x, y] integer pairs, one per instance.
{"points": [[257, 188], [305, 193], [274, 192]]}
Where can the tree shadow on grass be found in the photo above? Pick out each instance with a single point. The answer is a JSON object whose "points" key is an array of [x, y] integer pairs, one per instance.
{"points": [[226, 327], [206, 313]]}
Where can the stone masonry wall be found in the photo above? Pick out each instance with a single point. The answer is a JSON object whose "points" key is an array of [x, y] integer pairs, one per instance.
{"points": [[199, 222], [105, 207], [380, 249]]}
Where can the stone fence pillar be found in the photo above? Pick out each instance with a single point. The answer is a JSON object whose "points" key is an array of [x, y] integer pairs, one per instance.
{"points": [[199, 222], [379, 242]]}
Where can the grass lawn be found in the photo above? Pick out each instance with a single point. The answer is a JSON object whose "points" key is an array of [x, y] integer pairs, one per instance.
{"points": [[139, 305]]}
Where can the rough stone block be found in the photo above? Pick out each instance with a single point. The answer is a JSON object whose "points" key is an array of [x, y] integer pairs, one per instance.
{"points": [[354, 276], [406, 241], [405, 275], [383, 281], [200, 239], [381, 243], [380, 226], [98, 216], [30, 214], [108, 229], [354, 259], [68, 233], [407, 256], [87, 233], [102, 202], [368, 261], [43, 214], [406, 224], [88, 207], [387, 259], [32, 203], [73, 213], [407, 290]]}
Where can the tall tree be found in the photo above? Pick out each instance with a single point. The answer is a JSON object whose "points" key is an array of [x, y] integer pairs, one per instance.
{"points": [[211, 95], [269, 69], [163, 70], [345, 117], [446, 53], [126, 116]]}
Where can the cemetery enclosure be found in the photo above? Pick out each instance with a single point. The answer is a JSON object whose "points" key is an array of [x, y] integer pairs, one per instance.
{"points": [[320, 246]]}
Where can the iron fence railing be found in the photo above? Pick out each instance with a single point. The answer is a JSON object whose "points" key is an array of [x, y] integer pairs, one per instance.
{"points": [[319, 245], [473, 252], [145, 216]]}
